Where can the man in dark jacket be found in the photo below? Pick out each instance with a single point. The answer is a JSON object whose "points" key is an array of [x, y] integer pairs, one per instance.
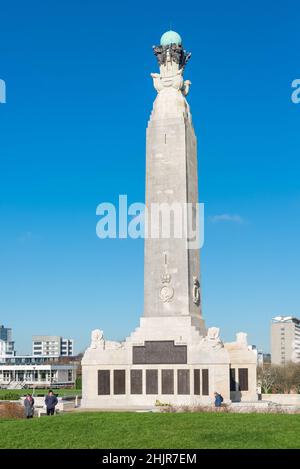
{"points": [[50, 401], [218, 399]]}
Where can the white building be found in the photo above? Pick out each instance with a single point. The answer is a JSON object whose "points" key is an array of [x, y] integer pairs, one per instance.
{"points": [[52, 345], [27, 359], [44, 375], [6, 349]]}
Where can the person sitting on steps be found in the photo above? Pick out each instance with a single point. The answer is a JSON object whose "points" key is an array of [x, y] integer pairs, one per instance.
{"points": [[218, 399]]}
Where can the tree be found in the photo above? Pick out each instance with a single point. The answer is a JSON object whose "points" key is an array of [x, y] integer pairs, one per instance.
{"points": [[279, 379], [266, 379]]}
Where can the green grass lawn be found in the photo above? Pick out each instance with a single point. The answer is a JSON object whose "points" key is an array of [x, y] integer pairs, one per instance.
{"points": [[153, 430], [17, 393]]}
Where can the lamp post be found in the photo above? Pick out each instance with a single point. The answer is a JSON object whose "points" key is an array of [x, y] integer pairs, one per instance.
{"points": [[33, 387]]}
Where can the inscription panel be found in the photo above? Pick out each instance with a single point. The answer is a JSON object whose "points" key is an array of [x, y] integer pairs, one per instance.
{"points": [[232, 379], [103, 382], [119, 381], [151, 381], [205, 382], [167, 381], [136, 381], [243, 379], [197, 382], [183, 377], [156, 352]]}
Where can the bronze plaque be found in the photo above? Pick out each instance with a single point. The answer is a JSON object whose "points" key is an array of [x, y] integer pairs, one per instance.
{"points": [[157, 352]]}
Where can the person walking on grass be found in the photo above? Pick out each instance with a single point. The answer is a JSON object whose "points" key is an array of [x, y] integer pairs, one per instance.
{"points": [[218, 399], [29, 406], [50, 401]]}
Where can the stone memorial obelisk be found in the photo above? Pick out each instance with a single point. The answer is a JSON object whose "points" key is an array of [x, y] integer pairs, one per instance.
{"points": [[170, 357], [172, 270]]}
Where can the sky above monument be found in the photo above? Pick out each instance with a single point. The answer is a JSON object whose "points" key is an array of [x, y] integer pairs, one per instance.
{"points": [[72, 135]]}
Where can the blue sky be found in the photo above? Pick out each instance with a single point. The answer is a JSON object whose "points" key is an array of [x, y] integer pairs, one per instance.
{"points": [[72, 135]]}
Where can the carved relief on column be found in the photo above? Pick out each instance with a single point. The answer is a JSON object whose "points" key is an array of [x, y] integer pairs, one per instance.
{"points": [[196, 291], [166, 292]]}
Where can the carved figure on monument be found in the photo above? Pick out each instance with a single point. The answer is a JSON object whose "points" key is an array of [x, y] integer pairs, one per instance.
{"points": [[169, 83], [196, 291], [173, 81], [186, 87], [241, 338], [113, 345], [213, 339], [97, 339], [239, 343], [166, 292], [213, 333], [173, 52]]}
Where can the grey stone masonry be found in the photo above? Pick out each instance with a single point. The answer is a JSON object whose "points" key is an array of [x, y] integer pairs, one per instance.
{"points": [[171, 178]]}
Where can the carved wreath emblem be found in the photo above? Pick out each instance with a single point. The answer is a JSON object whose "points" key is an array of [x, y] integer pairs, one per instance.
{"points": [[166, 293]]}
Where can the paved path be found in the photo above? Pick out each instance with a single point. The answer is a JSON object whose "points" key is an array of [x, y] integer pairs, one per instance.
{"points": [[128, 409]]}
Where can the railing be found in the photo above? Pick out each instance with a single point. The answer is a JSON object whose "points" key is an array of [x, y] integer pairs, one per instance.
{"points": [[13, 384]]}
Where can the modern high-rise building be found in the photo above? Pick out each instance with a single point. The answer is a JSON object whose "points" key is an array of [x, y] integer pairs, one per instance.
{"points": [[7, 346], [5, 334], [285, 340], [52, 345]]}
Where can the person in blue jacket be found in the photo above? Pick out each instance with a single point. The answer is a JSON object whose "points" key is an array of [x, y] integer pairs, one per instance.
{"points": [[51, 401], [218, 399]]}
